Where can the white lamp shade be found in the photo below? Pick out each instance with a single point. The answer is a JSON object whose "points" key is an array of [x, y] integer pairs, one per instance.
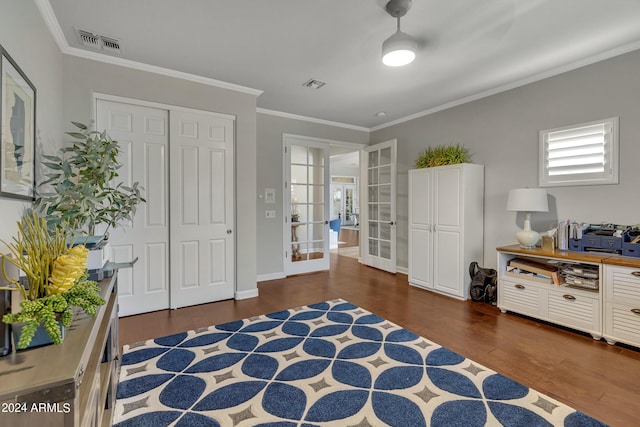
{"points": [[528, 200], [398, 50]]}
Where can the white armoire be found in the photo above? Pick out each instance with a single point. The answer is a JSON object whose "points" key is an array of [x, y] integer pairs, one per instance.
{"points": [[445, 227]]}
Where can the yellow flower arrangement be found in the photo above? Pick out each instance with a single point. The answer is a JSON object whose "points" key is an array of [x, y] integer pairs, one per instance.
{"points": [[56, 279], [67, 269]]}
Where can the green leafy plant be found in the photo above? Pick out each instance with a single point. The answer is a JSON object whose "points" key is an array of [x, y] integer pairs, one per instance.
{"points": [[55, 278], [79, 188], [48, 310], [443, 155]]}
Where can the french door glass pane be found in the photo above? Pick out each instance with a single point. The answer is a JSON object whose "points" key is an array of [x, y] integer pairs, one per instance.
{"points": [[298, 193], [373, 212], [385, 212], [384, 175], [373, 194], [373, 176], [316, 232], [316, 175], [301, 211], [337, 201], [316, 193], [384, 193], [373, 247], [298, 155], [385, 250], [385, 156], [373, 159], [316, 213], [373, 229], [385, 231], [348, 204], [299, 174]]}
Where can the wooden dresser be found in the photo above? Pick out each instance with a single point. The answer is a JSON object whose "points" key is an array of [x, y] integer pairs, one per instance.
{"points": [[73, 384]]}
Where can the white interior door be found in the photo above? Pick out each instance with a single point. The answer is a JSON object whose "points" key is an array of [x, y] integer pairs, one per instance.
{"points": [[379, 200], [307, 205], [142, 133], [202, 208]]}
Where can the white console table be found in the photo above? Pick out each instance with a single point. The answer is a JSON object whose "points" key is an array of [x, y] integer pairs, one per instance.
{"points": [[611, 312]]}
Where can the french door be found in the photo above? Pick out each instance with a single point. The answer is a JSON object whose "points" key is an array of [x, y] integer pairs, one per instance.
{"points": [[306, 190], [379, 216]]}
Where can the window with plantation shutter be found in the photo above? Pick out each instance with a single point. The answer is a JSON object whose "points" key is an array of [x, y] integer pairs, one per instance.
{"points": [[584, 154]]}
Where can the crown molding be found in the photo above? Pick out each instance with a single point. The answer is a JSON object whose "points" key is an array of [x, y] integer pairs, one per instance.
{"points": [[311, 119], [621, 50], [54, 27]]}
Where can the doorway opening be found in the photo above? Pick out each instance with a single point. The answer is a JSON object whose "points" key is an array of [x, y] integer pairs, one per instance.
{"points": [[345, 202]]}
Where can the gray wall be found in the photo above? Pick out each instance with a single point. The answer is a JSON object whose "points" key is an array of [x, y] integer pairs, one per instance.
{"points": [[271, 175], [84, 77], [502, 133], [24, 35]]}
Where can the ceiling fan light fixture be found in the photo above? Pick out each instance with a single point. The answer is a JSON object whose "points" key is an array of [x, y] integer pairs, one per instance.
{"points": [[398, 50]]}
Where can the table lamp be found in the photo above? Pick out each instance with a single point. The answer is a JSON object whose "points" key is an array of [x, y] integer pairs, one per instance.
{"points": [[527, 200]]}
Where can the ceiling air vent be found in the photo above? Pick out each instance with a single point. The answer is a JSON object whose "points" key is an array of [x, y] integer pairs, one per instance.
{"points": [[98, 41], [89, 39], [314, 84], [110, 44]]}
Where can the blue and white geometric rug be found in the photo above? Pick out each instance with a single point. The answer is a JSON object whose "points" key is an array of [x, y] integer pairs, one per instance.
{"points": [[327, 364]]}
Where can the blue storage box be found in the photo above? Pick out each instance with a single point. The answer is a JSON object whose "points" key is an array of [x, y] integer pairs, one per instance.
{"points": [[575, 245], [610, 242], [590, 241], [631, 249]]}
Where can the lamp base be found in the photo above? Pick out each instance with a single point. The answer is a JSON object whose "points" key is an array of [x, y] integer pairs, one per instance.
{"points": [[527, 238]]}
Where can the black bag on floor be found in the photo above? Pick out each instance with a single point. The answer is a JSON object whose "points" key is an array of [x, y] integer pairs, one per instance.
{"points": [[483, 283]]}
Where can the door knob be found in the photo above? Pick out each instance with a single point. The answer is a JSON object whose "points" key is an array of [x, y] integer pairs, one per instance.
{"points": [[229, 231], [391, 223]]}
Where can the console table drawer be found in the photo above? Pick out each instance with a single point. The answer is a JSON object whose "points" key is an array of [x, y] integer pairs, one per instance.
{"points": [[520, 297], [575, 309], [622, 323], [622, 284]]}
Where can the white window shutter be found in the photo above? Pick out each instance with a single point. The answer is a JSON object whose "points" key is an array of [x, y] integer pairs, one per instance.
{"points": [[584, 154]]}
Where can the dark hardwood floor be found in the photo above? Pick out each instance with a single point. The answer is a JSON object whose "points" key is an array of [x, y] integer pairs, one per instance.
{"points": [[598, 379]]}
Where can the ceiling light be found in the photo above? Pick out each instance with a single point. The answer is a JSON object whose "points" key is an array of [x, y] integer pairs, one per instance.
{"points": [[399, 49]]}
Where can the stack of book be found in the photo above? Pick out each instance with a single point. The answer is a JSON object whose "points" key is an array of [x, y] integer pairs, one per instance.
{"points": [[537, 271]]}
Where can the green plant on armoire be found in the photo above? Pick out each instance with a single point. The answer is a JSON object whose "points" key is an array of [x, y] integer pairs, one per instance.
{"points": [[442, 155]]}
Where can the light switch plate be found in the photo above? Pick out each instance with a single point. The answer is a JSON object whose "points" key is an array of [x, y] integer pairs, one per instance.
{"points": [[269, 195], [270, 214]]}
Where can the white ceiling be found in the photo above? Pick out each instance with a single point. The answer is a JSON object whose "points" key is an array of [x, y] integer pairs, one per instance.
{"points": [[468, 48]]}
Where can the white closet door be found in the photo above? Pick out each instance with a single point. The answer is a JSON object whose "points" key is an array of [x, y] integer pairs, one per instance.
{"points": [[202, 211], [142, 133]]}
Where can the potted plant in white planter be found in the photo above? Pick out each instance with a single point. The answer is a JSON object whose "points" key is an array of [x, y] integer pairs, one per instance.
{"points": [[80, 187]]}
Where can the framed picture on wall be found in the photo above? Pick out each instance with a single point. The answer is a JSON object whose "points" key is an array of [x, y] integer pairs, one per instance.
{"points": [[18, 126]]}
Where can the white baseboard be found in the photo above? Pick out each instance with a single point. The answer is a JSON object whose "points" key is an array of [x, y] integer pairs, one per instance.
{"points": [[253, 293], [270, 276], [403, 270]]}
